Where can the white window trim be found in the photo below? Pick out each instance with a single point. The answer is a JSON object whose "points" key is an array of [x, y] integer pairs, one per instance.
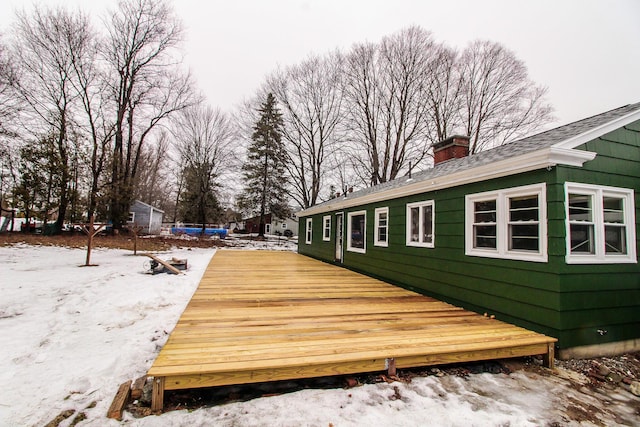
{"points": [[308, 232], [377, 242], [502, 223], [597, 192], [420, 222], [350, 215], [326, 228]]}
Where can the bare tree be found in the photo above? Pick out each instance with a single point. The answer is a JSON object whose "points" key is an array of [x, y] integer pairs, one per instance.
{"points": [[311, 98], [8, 79], [153, 183], [387, 105], [443, 95], [44, 41], [203, 140], [90, 84], [149, 87], [499, 101], [8, 110]]}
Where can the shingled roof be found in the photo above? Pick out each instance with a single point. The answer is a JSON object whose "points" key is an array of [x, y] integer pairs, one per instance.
{"points": [[554, 146]]}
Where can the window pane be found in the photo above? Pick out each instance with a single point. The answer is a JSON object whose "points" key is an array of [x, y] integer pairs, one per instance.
{"points": [[357, 231], [523, 208], [382, 219], [582, 238], [308, 230], [613, 208], [415, 224], [525, 244], [615, 239], [382, 227], [580, 207], [485, 211], [524, 237], [427, 224], [484, 236]]}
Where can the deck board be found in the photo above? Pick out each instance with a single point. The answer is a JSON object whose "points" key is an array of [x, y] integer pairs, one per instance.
{"points": [[265, 315]]}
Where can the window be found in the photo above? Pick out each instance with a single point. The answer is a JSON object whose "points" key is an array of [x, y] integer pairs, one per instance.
{"points": [[308, 231], [356, 229], [132, 217], [485, 224], [284, 225], [600, 224], [381, 237], [524, 223], [420, 221], [509, 223], [326, 228]]}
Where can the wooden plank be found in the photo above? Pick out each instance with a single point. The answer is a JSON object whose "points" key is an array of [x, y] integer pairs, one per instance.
{"points": [[157, 394], [241, 363], [166, 265], [358, 340], [120, 400], [272, 374], [272, 316], [444, 358], [138, 387], [288, 372]]}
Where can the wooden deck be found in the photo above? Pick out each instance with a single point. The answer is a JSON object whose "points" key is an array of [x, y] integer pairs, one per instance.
{"points": [[264, 316]]}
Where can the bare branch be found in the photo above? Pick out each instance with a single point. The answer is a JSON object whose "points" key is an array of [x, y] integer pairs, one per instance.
{"points": [[311, 96], [148, 87], [499, 101]]}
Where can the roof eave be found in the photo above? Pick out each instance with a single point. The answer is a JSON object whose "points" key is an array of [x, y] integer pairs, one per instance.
{"points": [[598, 131], [548, 157]]}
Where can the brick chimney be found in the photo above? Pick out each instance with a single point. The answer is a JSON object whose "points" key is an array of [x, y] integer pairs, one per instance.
{"points": [[454, 147]]}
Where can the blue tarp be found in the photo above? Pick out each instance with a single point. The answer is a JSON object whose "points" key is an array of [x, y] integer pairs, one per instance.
{"points": [[197, 231]]}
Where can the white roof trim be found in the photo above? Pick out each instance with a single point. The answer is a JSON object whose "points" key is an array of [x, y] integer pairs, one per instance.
{"points": [[541, 159], [569, 157], [597, 132]]}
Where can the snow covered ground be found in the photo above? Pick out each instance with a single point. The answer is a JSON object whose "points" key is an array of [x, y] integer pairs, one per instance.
{"points": [[70, 335]]}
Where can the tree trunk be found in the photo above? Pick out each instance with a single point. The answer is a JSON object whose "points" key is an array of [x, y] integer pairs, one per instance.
{"points": [[264, 193]]}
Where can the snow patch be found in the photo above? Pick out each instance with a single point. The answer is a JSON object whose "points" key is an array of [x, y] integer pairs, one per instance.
{"points": [[70, 336]]}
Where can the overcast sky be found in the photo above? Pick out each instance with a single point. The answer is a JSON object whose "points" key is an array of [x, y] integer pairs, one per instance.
{"points": [[587, 52]]}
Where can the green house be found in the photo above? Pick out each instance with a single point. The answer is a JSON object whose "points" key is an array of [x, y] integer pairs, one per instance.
{"points": [[541, 232]]}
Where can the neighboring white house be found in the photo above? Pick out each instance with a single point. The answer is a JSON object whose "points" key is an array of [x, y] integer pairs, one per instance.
{"points": [[280, 225], [273, 225], [146, 216]]}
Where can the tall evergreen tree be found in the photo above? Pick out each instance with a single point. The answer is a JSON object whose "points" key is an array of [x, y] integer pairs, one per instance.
{"points": [[264, 171]]}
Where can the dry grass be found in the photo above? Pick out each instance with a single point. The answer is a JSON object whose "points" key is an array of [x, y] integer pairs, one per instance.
{"points": [[79, 240]]}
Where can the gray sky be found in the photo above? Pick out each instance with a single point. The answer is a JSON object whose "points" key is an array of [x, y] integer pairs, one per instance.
{"points": [[587, 52]]}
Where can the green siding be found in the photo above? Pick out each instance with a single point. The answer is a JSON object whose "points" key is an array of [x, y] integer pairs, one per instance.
{"points": [[604, 297], [570, 302], [318, 248]]}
